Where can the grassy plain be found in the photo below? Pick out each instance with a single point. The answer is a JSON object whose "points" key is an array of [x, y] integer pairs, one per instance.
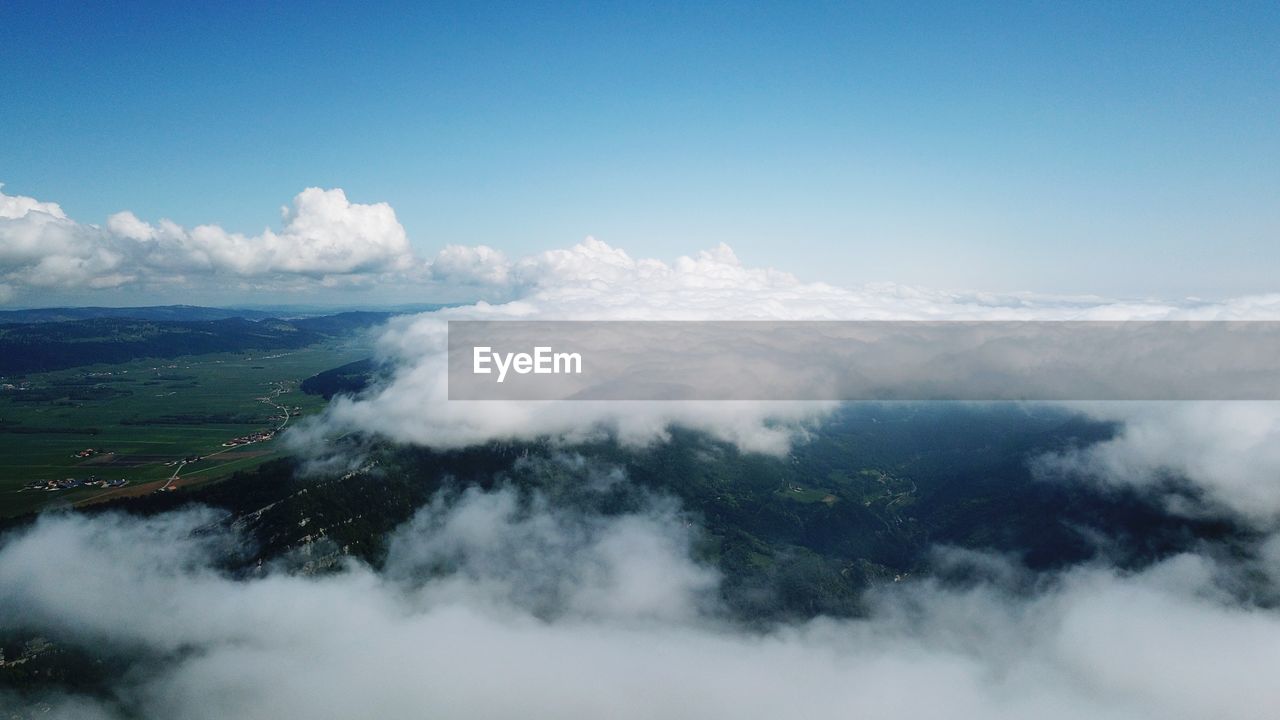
{"points": [[141, 417]]}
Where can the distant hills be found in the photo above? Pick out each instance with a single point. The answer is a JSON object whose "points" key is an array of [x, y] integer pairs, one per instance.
{"points": [[36, 346], [158, 312], [194, 312]]}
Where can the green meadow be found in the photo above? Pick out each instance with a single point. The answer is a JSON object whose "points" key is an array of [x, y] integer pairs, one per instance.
{"points": [[140, 418]]}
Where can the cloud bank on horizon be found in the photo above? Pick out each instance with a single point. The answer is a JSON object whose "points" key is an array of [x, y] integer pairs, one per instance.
{"points": [[325, 241]]}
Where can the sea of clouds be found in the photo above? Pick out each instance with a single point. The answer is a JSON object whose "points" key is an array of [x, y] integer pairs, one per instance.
{"points": [[536, 611], [548, 613]]}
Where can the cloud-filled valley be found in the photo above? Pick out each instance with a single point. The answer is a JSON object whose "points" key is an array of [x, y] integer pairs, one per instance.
{"points": [[493, 607]]}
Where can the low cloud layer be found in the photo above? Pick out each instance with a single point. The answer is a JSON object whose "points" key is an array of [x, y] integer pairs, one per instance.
{"points": [[490, 607], [1227, 450], [1202, 458]]}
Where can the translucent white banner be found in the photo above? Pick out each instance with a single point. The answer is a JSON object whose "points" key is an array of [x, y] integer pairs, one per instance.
{"points": [[871, 360]]}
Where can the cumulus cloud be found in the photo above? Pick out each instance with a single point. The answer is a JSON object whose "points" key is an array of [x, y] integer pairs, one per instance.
{"points": [[493, 608], [325, 238], [479, 265], [323, 234]]}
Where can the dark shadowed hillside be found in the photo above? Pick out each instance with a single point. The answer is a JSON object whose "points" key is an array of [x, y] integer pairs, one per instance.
{"points": [[348, 379]]}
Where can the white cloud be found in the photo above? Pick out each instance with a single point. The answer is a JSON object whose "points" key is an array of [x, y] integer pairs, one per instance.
{"points": [[325, 238], [16, 206], [1229, 451], [479, 265], [490, 610], [594, 281], [550, 562], [589, 281]]}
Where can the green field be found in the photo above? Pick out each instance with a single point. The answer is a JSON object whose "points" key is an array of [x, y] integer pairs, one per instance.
{"points": [[142, 417]]}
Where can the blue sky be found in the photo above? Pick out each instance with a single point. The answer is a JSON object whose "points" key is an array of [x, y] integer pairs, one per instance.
{"points": [[1116, 148]]}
